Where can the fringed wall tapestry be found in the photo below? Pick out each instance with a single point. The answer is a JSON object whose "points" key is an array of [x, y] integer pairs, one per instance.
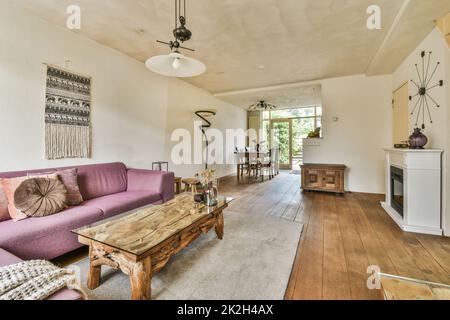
{"points": [[67, 115]]}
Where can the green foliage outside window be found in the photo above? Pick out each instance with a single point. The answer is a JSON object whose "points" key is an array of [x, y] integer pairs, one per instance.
{"points": [[304, 120]]}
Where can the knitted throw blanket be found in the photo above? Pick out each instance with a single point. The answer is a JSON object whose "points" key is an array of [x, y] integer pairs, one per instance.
{"points": [[35, 280]]}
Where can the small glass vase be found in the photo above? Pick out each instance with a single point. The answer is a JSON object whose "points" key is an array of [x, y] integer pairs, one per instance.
{"points": [[210, 194]]}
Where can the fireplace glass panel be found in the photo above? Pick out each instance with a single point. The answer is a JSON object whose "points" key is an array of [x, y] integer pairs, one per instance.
{"points": [[397, 190]]}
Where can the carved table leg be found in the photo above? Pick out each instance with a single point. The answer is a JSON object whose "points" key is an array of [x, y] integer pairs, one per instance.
{"points": [[140, 278], [95, 272], [219, 226]]}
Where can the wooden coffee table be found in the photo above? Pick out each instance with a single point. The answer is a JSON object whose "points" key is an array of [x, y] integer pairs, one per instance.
{"points": [[401, 288], [142, 242]]}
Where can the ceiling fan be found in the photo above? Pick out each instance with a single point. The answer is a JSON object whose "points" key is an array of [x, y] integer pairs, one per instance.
{"points": [[262, 105], [176, 64]]}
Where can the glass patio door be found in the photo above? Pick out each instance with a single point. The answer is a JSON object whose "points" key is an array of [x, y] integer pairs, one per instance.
{"points": [[281, 138]]}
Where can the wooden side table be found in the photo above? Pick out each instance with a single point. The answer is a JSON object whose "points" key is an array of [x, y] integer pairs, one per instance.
{"points": [[178, 185], [323, 177], [191, 185]]}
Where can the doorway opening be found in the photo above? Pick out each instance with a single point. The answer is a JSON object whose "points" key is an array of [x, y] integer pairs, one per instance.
{"points": [[286, 129]]}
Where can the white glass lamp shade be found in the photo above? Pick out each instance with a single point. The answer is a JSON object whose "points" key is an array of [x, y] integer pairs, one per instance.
{"points": [[175, 65]]}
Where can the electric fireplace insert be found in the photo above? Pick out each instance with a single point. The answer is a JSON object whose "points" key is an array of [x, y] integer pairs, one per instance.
{"points": [[397, 189]]}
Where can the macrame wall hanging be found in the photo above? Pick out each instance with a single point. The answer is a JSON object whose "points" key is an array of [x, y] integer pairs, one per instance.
{"points": [[67, 115]]}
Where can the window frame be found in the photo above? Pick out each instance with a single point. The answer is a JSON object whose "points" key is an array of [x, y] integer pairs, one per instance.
{"points": [[316, 117]]}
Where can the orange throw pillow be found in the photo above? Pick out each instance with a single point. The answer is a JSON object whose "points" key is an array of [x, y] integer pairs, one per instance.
{"points": [[9, 188]]}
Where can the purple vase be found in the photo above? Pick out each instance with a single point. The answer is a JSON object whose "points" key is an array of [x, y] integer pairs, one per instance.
{"points": [[417, 140]]}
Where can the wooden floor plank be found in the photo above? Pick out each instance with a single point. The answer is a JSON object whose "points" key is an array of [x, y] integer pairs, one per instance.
{"points": [[355, 254], [286, 198], [403, 262], [428, 265], [292, 209], [304, 210], [440, 250], [335, 274], [372, 245], [303, 217], [308, 284]]}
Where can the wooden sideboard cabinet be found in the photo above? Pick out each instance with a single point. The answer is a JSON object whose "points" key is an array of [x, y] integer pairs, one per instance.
{"points": [[323, 177]]}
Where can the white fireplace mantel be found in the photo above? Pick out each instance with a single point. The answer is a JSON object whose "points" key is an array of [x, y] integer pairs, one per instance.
{"points": [[421, 189]]}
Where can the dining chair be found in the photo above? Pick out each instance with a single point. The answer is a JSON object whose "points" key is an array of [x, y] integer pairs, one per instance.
{"points": [[242, 164], [266, 167], [253, 164], [275, 158]]}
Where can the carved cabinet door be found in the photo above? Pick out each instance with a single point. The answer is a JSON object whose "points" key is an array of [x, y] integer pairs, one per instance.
{"points": [[313, 178], [330, 179]]}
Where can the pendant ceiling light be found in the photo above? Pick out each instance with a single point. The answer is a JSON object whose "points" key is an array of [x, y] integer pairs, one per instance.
{"points": [[262, 105], [176, 64]]}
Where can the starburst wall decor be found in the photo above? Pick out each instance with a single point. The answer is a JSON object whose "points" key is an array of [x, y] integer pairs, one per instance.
{"points": [[424, 86]]}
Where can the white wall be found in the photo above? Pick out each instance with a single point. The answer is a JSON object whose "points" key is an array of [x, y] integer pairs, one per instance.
{"points": [[133, 110], [406, 71], [184, 100], [446, 217], [439, 131], [363, 106]]}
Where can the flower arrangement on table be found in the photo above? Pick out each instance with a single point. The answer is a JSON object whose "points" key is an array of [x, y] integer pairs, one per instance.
{"points": [[208, 177], [209, 182]]}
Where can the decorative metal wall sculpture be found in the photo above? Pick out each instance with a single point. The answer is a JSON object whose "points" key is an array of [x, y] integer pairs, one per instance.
{"points": [[424, 86]]}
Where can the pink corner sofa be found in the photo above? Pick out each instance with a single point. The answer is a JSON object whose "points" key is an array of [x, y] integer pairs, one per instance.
{"points": [[108, 190], [7, 259]]}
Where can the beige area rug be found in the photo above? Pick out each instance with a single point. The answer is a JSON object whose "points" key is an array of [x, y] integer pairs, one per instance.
{"points": [[254, 261]]}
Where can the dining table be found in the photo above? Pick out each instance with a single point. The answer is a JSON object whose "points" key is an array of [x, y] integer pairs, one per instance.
{"points": [[259, 153]]}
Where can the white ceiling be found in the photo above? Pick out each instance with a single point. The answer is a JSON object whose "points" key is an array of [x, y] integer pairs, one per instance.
{"points": [[415, 23], [258, 43], [284, 97]]}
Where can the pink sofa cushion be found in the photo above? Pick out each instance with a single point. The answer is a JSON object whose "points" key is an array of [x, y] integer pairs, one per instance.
{"points": [[9, 188], [156, 181], [7, 259], [14, 234], [95, 180], [100, 180], [122, 202], [4, 213], [69, 177]]}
